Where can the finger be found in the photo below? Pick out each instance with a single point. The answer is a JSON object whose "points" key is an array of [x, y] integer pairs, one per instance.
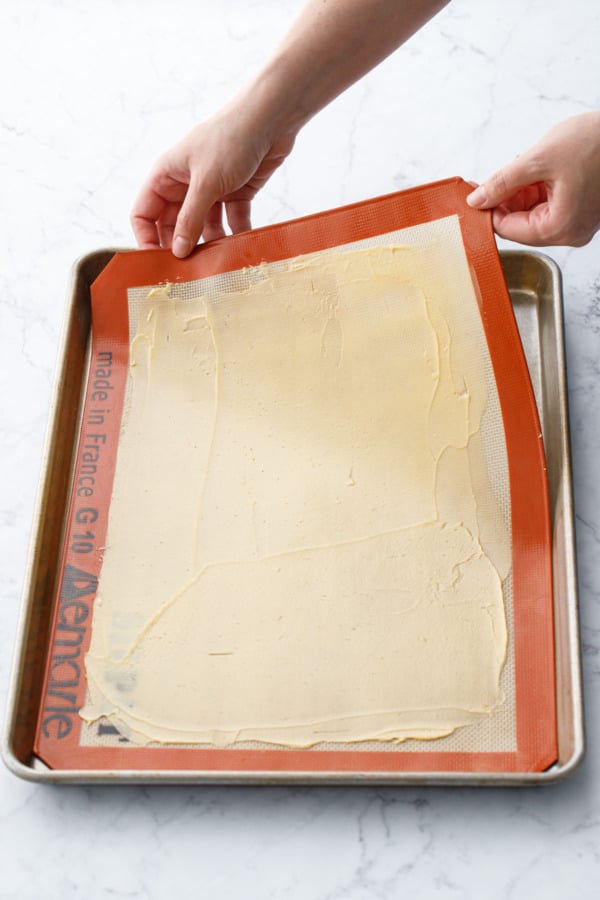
{"points": [[238, 215], [213, 223], [166, 224], [146, 212], [165, 234], [520, 173], [542, 227], [190, 221], [532, 227]]}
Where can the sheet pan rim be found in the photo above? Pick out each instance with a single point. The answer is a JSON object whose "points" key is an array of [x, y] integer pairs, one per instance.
{"points": [[33, 772]]}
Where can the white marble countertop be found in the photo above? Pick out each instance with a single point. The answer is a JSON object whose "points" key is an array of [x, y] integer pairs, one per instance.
{"points": [[92, 92]]}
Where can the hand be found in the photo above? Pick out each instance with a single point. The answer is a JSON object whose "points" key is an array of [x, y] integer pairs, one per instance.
{"points": [[219, 166], [551, 193], [226, 160]]}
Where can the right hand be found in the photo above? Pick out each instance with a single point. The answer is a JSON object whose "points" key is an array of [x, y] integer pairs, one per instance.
{"points": [[218, 167]]}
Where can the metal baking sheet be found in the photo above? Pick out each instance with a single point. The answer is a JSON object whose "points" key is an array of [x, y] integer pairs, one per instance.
{"points": [[535, 288]]}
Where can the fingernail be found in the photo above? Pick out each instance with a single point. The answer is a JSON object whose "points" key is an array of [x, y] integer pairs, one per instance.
{"points": [[478, 197], [181, 247]]}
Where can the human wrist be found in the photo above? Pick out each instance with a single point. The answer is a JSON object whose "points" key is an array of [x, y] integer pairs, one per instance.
{"points": [[273, 102]]}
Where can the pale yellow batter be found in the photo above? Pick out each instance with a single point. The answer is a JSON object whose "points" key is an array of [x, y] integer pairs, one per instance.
{"points": [[303, 543]]}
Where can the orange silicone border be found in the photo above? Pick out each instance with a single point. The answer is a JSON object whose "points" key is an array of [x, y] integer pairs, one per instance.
{"points": [[64, 689]]}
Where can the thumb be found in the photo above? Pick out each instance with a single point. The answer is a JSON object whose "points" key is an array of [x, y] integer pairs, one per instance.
{"points": [[190, 220], [501, 186]]}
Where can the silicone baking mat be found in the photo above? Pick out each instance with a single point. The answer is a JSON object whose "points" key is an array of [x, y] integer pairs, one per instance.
{"points": [[522, 738]]}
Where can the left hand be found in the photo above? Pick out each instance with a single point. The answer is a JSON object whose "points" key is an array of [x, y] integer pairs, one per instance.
{"points": [[551, 193]]}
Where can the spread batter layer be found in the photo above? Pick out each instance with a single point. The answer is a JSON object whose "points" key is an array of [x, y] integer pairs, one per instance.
{"points": [[305, 544]]}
